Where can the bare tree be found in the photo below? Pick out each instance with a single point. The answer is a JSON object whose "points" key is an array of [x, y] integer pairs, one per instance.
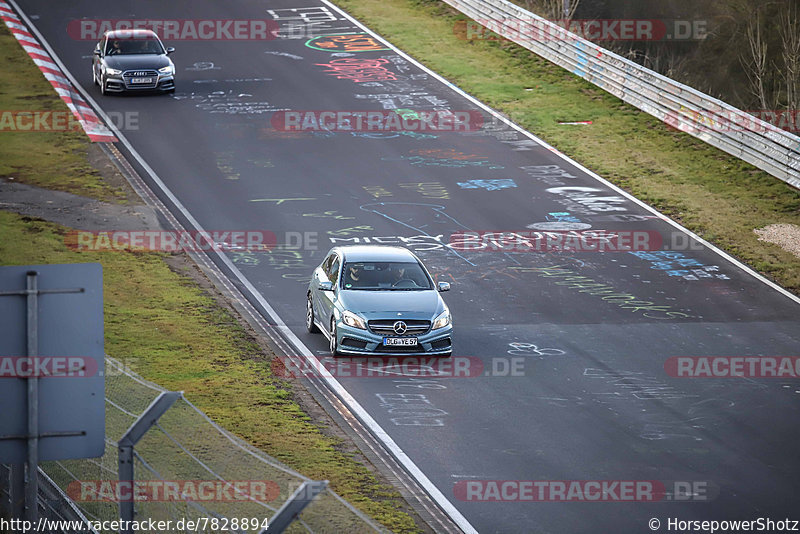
{"points": [[556, 10], [789, 31], [755, 61]]}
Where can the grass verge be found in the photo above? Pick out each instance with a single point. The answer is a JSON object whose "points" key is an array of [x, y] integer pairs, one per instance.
{"points": [[721, 198], [170, 331], [53, 159], [160, 322]]}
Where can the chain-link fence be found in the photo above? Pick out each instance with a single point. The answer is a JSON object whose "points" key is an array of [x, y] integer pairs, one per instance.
{"points": [[186, 468]]}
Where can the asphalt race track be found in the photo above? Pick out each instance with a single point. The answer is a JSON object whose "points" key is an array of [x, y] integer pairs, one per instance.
{"points": [[588, 334]]}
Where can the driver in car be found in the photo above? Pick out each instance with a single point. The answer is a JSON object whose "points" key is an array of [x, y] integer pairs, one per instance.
{"points": [[398, 273], [399, 278], [354, 274], [115, 48]]}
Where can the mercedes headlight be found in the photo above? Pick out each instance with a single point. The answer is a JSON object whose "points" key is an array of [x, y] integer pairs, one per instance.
{"points": [[442, 320], [351, 319]]}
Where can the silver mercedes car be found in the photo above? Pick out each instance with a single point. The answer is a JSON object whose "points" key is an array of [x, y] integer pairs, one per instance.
{"points": [[378, 300]]}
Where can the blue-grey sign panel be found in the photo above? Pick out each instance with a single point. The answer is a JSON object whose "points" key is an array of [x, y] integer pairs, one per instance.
{"points": [[70, 362]]}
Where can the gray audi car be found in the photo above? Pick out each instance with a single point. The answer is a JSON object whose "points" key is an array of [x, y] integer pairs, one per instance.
{"points": [[378, 300], [132, 60]]}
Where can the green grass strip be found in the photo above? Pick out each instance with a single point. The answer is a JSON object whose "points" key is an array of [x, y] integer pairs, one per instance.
{"points": [[52, 159]]}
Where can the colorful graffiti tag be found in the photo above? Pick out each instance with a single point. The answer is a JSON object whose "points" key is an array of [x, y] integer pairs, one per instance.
{"points": [[359, 70], [357, 42]]}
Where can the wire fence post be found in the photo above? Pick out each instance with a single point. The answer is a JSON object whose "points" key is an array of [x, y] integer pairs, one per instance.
{"points": [[295, 504], [138, 429]]}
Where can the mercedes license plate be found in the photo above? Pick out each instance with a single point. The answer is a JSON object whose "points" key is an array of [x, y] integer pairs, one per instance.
{"points": [[401, 341]]}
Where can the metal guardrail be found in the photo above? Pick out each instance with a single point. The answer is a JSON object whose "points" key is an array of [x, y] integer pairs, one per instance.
{"points": [[719, 124]]}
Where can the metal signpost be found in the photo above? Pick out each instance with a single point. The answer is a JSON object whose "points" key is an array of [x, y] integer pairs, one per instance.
{"points": [[51, 372]]}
